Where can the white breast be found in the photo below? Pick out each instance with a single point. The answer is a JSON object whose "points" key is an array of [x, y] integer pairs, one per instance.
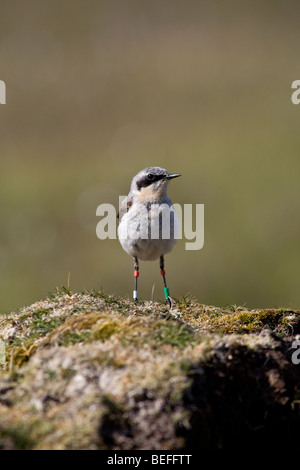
{"points": [[148, 231]]}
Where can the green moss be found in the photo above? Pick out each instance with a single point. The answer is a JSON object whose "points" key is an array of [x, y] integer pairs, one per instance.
{"points": [[240, 320], [105, 330], [68, 373], [52, 374], [73, 337], [141, 354], [42, 327], [16, 437], [173, 333]]}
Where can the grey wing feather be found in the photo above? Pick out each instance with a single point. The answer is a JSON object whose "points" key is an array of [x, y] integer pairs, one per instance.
{"points": [[125, 206]]}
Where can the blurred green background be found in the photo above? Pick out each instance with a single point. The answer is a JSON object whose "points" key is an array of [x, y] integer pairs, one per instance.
{"points": [[98, 90]]}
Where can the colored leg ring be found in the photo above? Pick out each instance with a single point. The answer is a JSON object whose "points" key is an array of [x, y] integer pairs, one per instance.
{"points": [[167, 294]]}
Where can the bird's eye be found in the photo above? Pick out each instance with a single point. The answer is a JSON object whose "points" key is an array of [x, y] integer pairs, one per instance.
{"points": [[150, 177]]}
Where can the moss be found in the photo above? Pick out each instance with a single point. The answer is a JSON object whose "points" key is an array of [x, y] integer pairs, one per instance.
{"points": [[95, 371], [173, 333], [73, 337], [16, 438], [240, 320], [105, 330], [42, 327], [52, 374], [68, 373]]}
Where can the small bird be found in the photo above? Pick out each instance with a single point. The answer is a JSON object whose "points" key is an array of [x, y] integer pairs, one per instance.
{"points": [[148, 224]]}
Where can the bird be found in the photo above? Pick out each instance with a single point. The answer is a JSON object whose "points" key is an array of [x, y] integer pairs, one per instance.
{"points": [[148, 224]]}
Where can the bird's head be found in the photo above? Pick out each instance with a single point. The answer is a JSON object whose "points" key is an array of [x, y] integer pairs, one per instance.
{"points": [[151, 184]]}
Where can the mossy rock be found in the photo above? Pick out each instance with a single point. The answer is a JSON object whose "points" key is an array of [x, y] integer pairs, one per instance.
{"points": [[93, 371]]}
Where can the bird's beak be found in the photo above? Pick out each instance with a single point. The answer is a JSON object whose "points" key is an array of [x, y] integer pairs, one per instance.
{"points": [[173, 175]]}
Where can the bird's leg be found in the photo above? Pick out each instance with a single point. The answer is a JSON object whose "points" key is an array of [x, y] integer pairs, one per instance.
{"points": [[136, 275], [163, 273]]}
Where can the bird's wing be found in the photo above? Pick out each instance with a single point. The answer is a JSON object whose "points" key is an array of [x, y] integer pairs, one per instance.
{"points": [[125, 206]]}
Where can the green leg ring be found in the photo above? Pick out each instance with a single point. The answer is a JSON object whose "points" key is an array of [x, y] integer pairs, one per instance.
{"points": [[167, 294]]}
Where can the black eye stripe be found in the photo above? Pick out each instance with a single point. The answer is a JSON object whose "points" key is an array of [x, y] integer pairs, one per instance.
{"points": [[146, 181]]}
